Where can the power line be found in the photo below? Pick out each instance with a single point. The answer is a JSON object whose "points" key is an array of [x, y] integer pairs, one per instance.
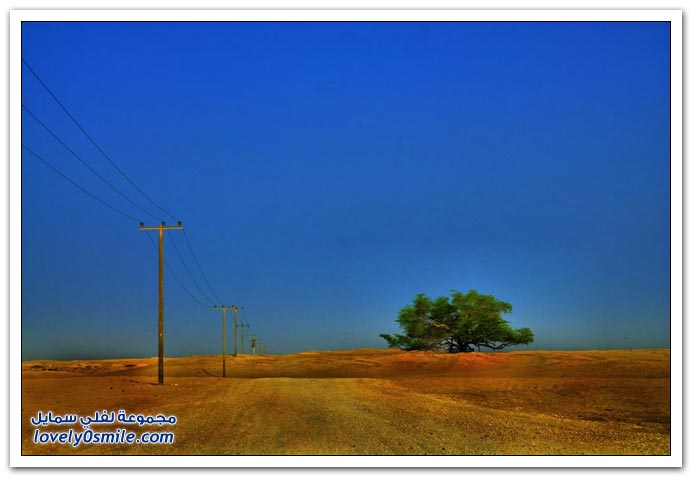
{"points": [[194, 256], [188, 270], [45, 86], [176, 277], [93, 171], [79, 126], [78, 186]]}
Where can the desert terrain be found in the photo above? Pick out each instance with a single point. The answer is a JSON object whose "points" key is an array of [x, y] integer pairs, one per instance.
{"points": [[367, 402]]}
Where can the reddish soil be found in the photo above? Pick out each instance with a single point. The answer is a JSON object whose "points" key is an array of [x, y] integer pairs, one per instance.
{"points": [[368, 402]]}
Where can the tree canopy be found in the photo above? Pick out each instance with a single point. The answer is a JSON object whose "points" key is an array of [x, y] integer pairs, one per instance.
{"points": [[460, 323]]}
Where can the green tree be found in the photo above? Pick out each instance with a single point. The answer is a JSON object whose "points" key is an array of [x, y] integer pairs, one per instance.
{"points": [[460, 323]]}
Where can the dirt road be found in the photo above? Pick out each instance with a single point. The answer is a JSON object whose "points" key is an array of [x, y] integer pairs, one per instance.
{"points": [[372, 402]]}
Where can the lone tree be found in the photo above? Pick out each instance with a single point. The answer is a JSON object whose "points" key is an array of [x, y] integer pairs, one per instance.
{"points": [[462, 323]]}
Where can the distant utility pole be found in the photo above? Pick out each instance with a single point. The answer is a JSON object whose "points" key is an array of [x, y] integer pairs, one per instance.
{"points": [[253, 342], [161, 228], [242, 335], [223, 332], [235, 329]]}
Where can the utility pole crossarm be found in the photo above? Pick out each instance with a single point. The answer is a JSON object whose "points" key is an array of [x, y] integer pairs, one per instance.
{"points": [[162, 226]]}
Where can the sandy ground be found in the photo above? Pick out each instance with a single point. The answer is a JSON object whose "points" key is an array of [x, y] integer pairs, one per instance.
{"points": [[367, 402]]}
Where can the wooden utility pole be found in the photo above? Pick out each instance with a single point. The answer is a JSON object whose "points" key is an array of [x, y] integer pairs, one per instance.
{"points": [[223, 332], [161, 228], [235, 328], [242, 335]]}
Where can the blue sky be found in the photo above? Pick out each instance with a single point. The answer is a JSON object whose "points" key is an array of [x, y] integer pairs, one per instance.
{"points": [[325, 173]]}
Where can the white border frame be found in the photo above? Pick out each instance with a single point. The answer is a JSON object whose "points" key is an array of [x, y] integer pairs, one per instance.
{"points": [[672, 16]]}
